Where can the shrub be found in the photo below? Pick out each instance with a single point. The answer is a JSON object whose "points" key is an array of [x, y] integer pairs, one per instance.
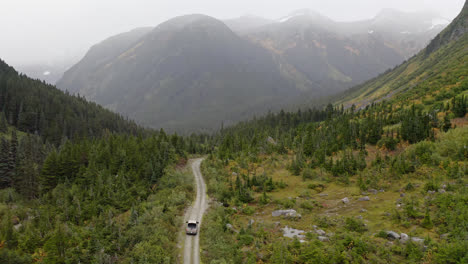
{"points": [[248, 210], [355, 225]]}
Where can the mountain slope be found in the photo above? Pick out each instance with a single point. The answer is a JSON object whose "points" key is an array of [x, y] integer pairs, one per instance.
{"points": [[38, 108], [436, 73], [190, 72], [339, 54], [193, 72]]}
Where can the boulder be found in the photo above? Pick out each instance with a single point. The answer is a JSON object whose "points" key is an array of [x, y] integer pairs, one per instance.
{"points": [[393, 235], [320, 232], [345, 200], [404, 238], [445, 236], [365, 198], [231, 228], [323, 238], [291, 233], [287, 213], [271, 141]]}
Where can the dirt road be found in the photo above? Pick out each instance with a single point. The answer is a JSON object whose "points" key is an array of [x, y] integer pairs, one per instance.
{"points": [[195, 212]]}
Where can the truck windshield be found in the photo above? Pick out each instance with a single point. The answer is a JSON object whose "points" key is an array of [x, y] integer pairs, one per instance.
{"points": [[192, 225]]}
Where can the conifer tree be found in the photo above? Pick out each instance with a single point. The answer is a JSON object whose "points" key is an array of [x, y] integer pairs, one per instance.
{"points": [[49, 178], [3, 123], [5, 171]]}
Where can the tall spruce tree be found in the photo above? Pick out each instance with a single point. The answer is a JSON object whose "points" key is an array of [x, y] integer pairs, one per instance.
{"points": [[5, 171]]}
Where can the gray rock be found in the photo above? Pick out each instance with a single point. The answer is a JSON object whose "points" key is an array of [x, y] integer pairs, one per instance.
{"points": [[404, 238], [430, 192], [271, 141], [251, 221], [393, 235], [417, 240], [345, 200], [373, 191], [283, 212], [364, 193], [323, 238], [320, 232], [445, 236], [402, 194], [441, 190], [381, 190], [365, 198], [444, 186], [314, 227], [323, 194], [359, 217], [234, 174], [230, 227], [291, 233], [362, 210]]}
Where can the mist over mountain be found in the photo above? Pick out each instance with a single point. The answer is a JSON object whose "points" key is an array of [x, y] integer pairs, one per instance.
{"points": [[195, 72], [191, 71]]}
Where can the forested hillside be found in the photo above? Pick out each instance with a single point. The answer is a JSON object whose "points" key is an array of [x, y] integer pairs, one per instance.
{"points": [[80, 184], [381, 182], [37, 108]]}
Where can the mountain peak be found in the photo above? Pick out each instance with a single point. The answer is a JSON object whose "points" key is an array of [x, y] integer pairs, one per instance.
{"points": [[305, 13]]}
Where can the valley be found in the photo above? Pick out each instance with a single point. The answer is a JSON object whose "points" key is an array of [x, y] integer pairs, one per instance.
{"points": [[196, 141]]}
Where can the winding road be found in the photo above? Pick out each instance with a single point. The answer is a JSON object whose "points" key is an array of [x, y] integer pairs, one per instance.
{"points": [[195, 212]]}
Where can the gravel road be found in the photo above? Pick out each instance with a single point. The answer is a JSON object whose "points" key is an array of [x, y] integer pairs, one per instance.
{"points": [[195, 212]]}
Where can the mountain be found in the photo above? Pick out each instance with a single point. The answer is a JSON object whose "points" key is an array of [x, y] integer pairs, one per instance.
{"points": [[195, 72], [333, 55], [34, 107], [429, 77], [189, 72]]}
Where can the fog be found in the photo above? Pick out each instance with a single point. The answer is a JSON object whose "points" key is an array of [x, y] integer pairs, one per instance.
{"points": [[56, 31]]}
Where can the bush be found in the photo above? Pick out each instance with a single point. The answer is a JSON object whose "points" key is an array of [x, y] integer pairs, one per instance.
{"points": [[248, 210], [245, 240], [355, 225], [308, 174]]}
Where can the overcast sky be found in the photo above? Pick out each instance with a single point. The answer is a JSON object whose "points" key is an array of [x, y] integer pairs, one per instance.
{"points": [[42, 31]]}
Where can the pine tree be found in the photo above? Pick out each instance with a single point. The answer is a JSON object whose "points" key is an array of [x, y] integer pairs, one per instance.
{"points": [[5, 170], [48, 178], [447, 124], [3, 123]]}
